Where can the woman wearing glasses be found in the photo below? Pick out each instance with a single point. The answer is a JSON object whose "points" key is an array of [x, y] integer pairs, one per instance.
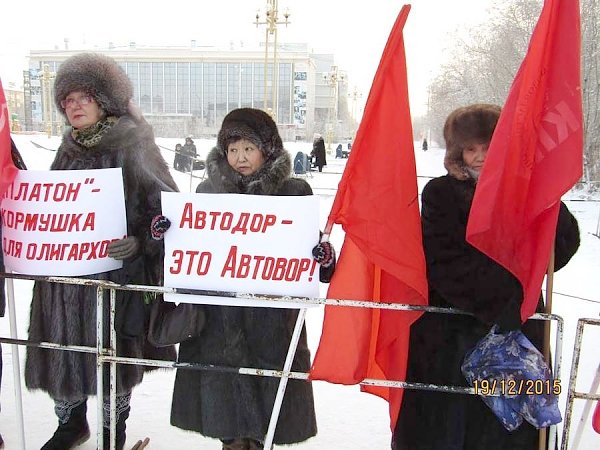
{"points": [[105, 131]]}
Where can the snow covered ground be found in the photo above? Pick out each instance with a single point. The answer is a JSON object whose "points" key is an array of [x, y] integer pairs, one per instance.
{"points": [[347, 418]]}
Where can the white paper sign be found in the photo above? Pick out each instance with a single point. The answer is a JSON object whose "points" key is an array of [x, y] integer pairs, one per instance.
{"points": [[241, 243], [60, 222]]}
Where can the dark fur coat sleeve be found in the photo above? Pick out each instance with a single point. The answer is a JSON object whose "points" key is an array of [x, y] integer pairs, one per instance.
{"points": [[459, 274], [567, 238]]}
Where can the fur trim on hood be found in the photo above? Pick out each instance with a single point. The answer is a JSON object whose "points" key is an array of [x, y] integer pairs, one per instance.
{"points": [[473, 124], [254, 125], [265, 181], [99, 76]]}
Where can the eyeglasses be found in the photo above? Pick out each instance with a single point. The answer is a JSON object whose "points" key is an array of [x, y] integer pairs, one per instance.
{"points": [[80, 101]]}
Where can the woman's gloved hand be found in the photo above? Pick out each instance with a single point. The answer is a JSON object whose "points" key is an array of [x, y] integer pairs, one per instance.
{"points": [[123, 248], [159, 226], [324, 254]]}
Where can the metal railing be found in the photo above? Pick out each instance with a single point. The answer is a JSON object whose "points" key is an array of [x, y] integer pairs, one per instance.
{"points": [[572, 393], [108, 355]]}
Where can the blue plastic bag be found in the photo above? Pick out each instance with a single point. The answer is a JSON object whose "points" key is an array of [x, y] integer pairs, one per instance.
{"points": [[509, 365]]}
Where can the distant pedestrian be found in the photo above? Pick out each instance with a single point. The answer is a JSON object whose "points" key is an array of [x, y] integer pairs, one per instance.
{"points": [[425, 145], [179, 161], [318, 153], [338, 151], [189, 154]]}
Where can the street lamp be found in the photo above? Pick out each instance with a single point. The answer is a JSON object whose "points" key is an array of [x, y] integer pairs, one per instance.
{"points": [[354, 96], [47, 79], [332, 78], [271, 21]]}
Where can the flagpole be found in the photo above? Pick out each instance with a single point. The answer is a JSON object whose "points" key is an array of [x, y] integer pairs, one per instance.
{"points": [[546, 344], [285, 374], [10, 294]]}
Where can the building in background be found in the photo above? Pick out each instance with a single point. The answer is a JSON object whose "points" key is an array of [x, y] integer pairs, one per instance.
{"points": [[15, 100], [188, 91]]}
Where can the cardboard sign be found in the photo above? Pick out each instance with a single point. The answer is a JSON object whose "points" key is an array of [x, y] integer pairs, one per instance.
{"points": [[60, 222], [241, 243]]}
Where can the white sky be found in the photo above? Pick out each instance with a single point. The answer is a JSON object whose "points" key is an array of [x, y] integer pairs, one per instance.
{"points": [[355, 32]]}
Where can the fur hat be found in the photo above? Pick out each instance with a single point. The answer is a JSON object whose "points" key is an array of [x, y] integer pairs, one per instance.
{"points": [[473, 124], [254, 125], [99, 76]]}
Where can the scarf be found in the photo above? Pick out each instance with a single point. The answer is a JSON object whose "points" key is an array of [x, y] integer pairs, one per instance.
{"points": [[89, 137]]}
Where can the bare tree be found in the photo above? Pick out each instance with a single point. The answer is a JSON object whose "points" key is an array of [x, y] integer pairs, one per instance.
{"points": [[483, 64], [591, 89]]}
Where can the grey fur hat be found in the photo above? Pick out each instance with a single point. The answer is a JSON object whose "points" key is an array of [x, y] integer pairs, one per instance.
{"points": [[99, 76], [472, 124], [254, 125]]}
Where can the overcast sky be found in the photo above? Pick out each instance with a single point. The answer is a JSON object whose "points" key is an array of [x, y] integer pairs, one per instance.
{"points": [[355, 32]]}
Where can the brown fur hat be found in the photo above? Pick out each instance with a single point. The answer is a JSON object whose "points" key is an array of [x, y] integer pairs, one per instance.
{"points": [[99, 76], [254, 125], [473, 124]]}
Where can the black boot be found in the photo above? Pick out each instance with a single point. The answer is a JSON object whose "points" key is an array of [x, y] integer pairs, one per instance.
{"points": [[120, 431], [72, 428]]}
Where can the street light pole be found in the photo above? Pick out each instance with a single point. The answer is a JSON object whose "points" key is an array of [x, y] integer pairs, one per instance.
{"points": [[47, 78], [271, 21], [354, 96], [333, 78]]}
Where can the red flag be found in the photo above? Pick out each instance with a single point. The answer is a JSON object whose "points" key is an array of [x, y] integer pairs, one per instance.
{"points": [[382, 257], [8, 171], [596, 418], [536, 153]]}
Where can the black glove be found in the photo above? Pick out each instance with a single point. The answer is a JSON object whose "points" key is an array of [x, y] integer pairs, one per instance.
{"points": [[159, 226], [510, 317], [123, 248], [324, 254]]}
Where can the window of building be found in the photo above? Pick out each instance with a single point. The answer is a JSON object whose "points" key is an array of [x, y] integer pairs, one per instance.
{"points": [[183, 88], [233, 86], [170, 87], [221, 92], [133, 72], [145, 87], [284, 114], [196, 89], [246, 75], [158, 92], [209, 94]]}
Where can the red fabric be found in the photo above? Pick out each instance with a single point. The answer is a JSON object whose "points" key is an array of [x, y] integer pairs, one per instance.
{"points": [[596, 418], [382, 257], [536, 153], [8, 171]]}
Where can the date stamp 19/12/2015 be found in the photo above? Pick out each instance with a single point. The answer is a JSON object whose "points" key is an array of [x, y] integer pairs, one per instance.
{"points": [[511, 387]]}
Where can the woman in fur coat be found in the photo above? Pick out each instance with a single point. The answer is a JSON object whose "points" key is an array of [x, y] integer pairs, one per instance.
{"points": [[249, 159], [94, 94], [462, 277], [319, 154]]}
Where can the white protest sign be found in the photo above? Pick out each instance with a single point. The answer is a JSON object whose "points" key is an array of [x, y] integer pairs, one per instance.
{"points": [[241, 243], [60, 222]]}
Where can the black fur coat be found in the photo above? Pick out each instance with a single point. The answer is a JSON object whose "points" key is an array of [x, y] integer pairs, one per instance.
{"points": [[462, 277], [65, 313], [228, 406]]}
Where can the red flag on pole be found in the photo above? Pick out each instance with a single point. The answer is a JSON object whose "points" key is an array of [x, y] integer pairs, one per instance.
{"points": [[8, 171], [382, 257], [536, 153]]}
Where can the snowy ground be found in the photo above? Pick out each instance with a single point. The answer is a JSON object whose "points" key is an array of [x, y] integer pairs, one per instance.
{"points": [[347, 418]]}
